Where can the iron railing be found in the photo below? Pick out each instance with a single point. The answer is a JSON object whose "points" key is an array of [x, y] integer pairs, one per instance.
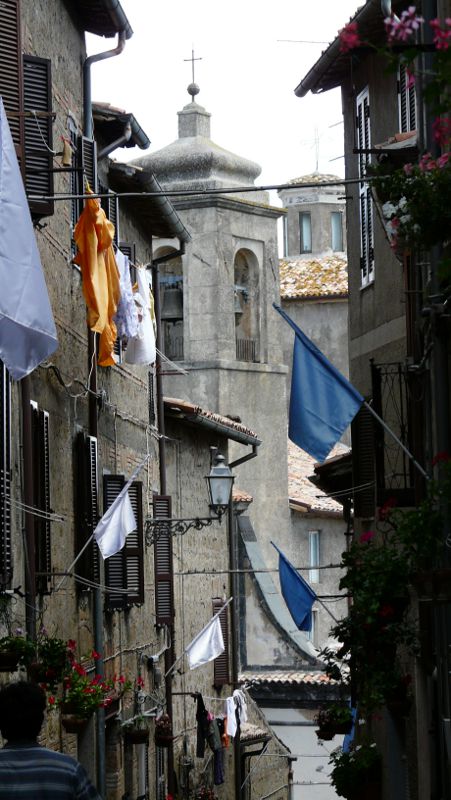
{"points": [[247, 350]]}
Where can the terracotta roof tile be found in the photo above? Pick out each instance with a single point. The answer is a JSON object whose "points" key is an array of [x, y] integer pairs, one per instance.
{"points": [[240, 496], [313, 277], [316, 177], [314, 678], [300, 488], [191, 409]]}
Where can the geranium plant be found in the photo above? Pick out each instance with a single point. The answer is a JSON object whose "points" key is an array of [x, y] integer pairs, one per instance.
{"points": [[83, 694], [20, 647], [355, 769], [53, 658], [333, 719]]}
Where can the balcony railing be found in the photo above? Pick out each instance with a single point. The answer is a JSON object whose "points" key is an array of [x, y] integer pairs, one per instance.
{"points": [[247, 350]]}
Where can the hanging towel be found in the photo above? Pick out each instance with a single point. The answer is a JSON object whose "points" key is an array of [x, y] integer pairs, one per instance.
{"points": [[141, 348], [126, 318], [231, 716], [93, 236]]}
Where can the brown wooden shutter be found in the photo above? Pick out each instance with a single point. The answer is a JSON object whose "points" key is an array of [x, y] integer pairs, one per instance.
{"points": [[37, 92], [125, 570], [6, 566], [41, 499], [86, 506], [164, 597], [363, 464], [221, 663], [11, 80]]}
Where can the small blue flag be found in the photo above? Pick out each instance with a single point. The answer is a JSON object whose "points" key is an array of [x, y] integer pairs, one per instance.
{"points": [[322, 402], [296, 592]]}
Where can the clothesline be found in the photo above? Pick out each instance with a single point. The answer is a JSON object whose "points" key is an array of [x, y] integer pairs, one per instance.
{"points": [[203, 192]]}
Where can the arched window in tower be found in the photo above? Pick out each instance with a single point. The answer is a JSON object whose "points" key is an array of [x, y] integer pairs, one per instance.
{"points": [[171, 304], [246, 306]]}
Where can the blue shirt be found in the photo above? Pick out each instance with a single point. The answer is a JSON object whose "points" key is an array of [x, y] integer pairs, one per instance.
{"points": [[31, 772]]}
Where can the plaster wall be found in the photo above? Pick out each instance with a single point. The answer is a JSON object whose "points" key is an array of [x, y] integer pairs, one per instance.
{"points": [[332, 542]]}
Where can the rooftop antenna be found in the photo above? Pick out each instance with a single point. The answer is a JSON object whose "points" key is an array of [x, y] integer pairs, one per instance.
{"points": [[193, 88], [316, 149]]}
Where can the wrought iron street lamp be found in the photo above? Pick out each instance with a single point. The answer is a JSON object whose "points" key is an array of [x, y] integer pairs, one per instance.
{"points": [[219, 485]]}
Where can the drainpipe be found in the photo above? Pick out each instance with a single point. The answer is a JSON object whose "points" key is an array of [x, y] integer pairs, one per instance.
{"points": [[126, 136], [88, 130], [169, 654], [27, 455], [87, 96]]}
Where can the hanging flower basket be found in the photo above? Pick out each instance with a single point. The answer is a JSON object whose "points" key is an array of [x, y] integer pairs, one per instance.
{"points": [[73, 724], [163, 731], [137, 735], [9, 661], [333, 721]]}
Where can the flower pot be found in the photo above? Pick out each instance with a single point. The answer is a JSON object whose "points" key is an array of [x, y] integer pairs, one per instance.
{"points": [[137, 735], [163, 740], [326, 734], [8, 661], [74, 724], [370, 790]]}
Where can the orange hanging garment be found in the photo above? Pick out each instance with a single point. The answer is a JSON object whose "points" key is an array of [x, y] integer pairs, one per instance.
{"points": [[94, 237]]}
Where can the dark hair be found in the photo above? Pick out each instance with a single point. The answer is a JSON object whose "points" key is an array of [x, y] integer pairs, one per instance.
{"points": [[22, 707]]}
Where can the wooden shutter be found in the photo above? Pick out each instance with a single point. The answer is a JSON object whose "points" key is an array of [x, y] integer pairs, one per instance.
{"points": [[114, 566], [125, 570], [363, 464], [5, 478], [87, 168], [221, 663], [151, 398], [41, 498], [365, 198], [11, 76], [37, 90], [86, 506], [164, 596], [407, 103], [110, 206], [129, 249]]}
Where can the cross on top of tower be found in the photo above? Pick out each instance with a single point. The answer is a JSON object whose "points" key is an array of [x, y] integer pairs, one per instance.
{"points": [[193, 88]]}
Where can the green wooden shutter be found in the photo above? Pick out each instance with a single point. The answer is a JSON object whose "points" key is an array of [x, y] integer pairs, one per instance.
{"points": [[164, 596], [86, 506], [38, 134], [11, 78], [6, 565], [41, 499], [221, 663]]}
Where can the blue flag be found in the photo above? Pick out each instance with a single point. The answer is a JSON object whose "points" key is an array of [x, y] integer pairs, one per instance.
{"points": [[322, 402], [296, 592]]}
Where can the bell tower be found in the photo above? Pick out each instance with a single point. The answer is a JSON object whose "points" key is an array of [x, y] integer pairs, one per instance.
{"points": [[217, 300]]}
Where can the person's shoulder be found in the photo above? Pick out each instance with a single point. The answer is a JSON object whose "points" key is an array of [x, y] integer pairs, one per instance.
{"points": [[46, 754]]}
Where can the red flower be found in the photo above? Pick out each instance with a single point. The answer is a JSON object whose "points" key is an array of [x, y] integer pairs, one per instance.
{"points": [[52, 700], [71, 645], [367, 536], [95, 655], [386, 611], [386, 508], [121, 679], [140, 682], [79, 669], [349, 37], [443, 456]]}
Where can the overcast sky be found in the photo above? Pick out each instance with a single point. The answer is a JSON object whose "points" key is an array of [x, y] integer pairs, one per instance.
{"points": [[247, 77]]}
